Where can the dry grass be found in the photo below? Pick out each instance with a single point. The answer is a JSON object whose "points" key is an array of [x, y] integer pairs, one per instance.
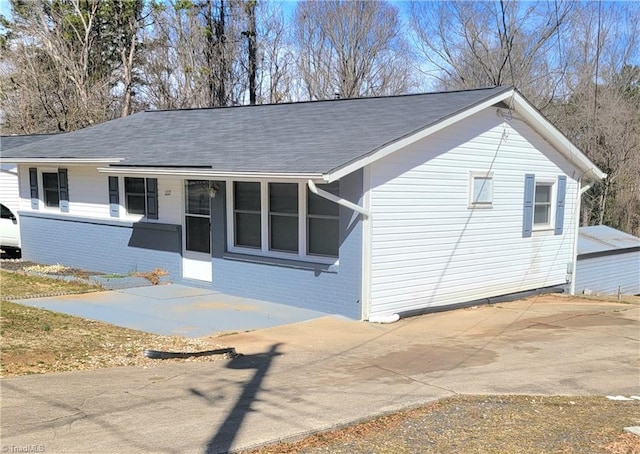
{"points": [[487, 424], [18, 285], [39, 341]]}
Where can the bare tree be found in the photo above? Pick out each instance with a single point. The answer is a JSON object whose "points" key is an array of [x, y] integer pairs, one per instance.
{"points": [[61, 63], [354, 48], [275, 58], [128, 20], [193, 54], [602, 113], [476, 44]]}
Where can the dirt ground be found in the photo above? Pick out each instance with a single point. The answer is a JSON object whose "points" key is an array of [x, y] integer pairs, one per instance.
{"points": [[486, 425], [36, 341]]}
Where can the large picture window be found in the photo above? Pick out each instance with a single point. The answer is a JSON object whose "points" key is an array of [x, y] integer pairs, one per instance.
{"points": [[283, 220]]}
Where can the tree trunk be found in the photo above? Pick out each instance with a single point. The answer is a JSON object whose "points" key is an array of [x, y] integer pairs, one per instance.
{"points": [[251, 49]]}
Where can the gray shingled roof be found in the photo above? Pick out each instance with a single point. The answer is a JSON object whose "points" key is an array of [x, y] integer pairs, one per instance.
{"points": [[308, 137], [9, 142]]}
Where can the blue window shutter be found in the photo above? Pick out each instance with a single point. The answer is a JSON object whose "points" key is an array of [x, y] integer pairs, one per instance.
{"points": [[33, 184], [527, 216], [114, 197], [63, 189], [152, 198], [562, 191]]}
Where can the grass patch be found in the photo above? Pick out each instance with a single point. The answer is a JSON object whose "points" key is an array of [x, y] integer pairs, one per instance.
{"points": [[36, 341], [16, 285], [486, 424]]}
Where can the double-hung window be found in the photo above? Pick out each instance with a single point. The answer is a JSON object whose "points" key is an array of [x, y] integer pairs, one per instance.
{"points": [[544, 204], [54, 185], [283, 220], [135, 195], [246, 214], [50, 189], [323, 222], [141, 196], [283, 217]]}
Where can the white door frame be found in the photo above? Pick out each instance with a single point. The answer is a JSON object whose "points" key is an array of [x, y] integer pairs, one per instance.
{"points": [[195, 265]]}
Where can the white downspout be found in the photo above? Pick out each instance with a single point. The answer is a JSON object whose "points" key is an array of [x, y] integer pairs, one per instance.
{"points": [[334, 198], [572, 289], [345, 203]]}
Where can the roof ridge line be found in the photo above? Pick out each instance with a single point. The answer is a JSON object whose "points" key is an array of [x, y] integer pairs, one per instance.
{"points": [[318, 101]]}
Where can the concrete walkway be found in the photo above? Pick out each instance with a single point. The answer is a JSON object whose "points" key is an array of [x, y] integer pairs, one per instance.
{"points": [[315, 375], [175, 310]]}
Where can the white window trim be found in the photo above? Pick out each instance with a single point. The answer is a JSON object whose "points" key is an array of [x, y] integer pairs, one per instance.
{"points": [[123, 201], [42, 205], [473, 174], [552, 207], [183, 197], [264, 250]]}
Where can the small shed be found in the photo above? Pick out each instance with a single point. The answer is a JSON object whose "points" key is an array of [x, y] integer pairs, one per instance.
{"points": [[608, 261]]}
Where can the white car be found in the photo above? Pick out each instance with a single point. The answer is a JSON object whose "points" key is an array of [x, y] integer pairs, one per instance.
{"points": [[9, 232]]}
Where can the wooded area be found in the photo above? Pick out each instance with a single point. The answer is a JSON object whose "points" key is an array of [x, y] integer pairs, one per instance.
{"points": [[68, 64]]}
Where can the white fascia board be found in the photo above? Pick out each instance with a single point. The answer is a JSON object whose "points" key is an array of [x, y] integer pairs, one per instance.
{"points": [[553, 135], [208, 174], [408, 140], [68, 161]]}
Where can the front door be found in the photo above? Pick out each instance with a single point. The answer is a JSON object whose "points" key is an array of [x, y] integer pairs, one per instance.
{"points": [[196, 259]]}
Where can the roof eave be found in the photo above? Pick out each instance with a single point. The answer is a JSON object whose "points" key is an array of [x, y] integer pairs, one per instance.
{"points": [[61, 161], [557, 139], [210, 173], [387, 149]]}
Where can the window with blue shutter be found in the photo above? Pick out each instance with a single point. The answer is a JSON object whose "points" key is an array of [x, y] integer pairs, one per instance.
{"points": [[114, 197], [33, 185], [63, 190], [527, 215], [560, 202]]}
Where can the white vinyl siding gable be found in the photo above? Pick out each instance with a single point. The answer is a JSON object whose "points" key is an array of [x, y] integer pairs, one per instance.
{"points": [[430, 248]]}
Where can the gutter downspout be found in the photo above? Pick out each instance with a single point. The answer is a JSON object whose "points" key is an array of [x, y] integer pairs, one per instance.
{"points": [[366, 213], [572, 288], [334, 198]]}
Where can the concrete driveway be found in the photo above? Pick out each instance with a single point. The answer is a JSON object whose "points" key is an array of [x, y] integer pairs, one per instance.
{"points": [[315, 375]]}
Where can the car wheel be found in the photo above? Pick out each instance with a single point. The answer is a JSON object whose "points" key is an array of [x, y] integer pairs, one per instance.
{"points": [[13, 253]]}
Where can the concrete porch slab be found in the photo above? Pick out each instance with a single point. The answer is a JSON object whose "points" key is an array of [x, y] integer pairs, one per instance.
{"points": [[175, 310]]}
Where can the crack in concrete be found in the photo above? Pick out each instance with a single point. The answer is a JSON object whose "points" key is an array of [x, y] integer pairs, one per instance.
{"points": [[414, 379], [79, 412]]}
